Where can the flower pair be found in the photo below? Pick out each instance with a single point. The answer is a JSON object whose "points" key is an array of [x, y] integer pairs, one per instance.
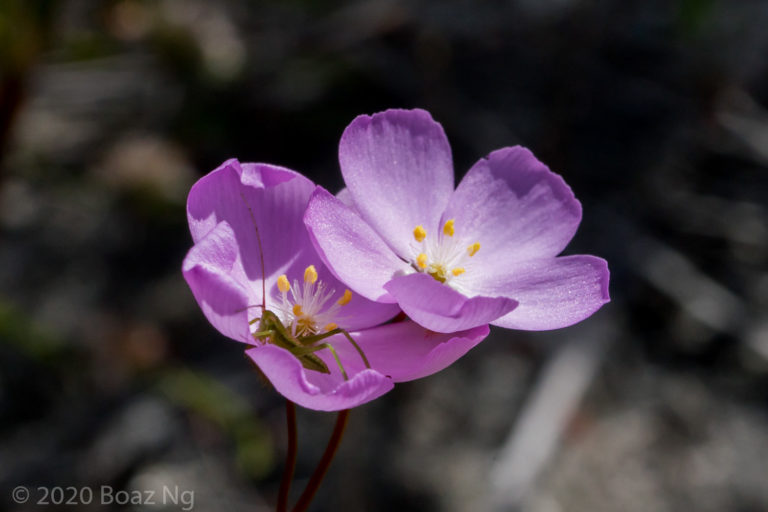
{"points": [[399, 237]]}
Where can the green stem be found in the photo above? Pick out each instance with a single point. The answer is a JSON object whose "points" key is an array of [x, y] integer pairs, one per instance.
{"points": [[322, 467]]}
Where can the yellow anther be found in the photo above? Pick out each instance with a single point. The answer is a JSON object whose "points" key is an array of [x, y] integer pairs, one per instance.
{"points": [[457, 271], [344, 300], [419, 233], [310, 275], [421, 260], [331, 326], [282, 284], [472, 249], [448, 227], [297, 310]]}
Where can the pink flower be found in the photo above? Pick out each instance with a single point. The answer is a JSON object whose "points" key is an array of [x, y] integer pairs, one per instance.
{"points": [[453, 259], [228, 278]]}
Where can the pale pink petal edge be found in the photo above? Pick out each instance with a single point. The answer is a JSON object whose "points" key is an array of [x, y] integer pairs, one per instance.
{"points": [[321, 392]]}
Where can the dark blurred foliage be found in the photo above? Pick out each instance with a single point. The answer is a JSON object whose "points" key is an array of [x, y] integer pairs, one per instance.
{"points": [[653, 111]]}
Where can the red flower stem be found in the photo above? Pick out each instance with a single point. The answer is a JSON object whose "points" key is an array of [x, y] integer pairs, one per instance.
{"points": [[322, 467], [290, 457]]}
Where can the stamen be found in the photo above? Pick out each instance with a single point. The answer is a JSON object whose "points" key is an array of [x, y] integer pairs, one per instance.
{"points": [[282, 284], [448, 227], [310, 304], [442, 258], [419, 233], [344, 300], [310, 275]]}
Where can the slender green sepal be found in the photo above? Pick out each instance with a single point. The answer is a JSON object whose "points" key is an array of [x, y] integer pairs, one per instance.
{"points": [[308, 350], [338, 330]]}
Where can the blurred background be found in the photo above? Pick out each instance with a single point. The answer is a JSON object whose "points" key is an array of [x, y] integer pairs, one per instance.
{"points": [[653, 111]]}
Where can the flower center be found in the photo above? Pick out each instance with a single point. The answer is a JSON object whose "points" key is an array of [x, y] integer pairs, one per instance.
{"points": [[443, 257], [304, 310]]}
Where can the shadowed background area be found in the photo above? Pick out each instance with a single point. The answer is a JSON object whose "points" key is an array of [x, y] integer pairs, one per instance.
{"points": [[655, 114]]}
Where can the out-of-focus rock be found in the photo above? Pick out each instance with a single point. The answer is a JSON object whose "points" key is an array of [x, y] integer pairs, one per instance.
{"points": [[142, 429]]}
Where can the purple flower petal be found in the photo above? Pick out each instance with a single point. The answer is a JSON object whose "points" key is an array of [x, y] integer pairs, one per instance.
{"points": [[515, 207], [441, 308], [359, 312], [406, 351], [350, 248], [209, 269], [345, 196], [315, 390], [552, 292], [397, 166], [276, 198]]}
